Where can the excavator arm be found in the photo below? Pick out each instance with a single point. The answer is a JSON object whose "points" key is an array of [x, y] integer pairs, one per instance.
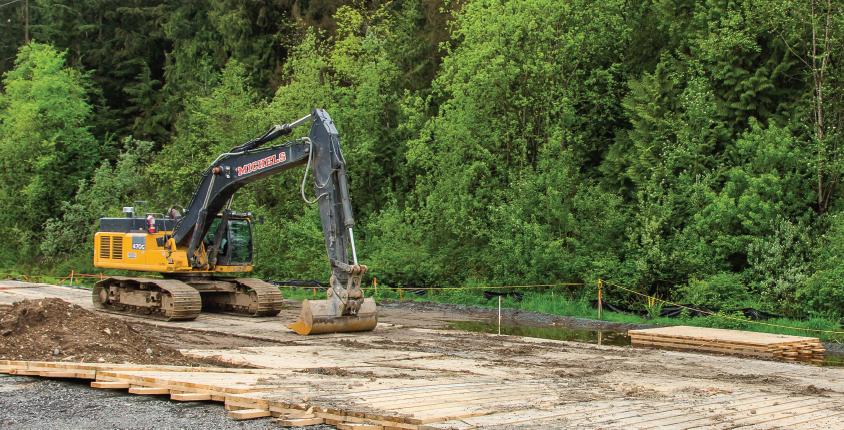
{"points": [[320, 153]]}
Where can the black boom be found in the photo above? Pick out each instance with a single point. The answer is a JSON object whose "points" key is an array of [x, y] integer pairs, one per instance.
{"points": [[249, 162]]}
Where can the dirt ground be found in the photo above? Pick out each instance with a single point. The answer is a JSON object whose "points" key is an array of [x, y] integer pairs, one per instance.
{"points": [[51, 329], [412, 341]]}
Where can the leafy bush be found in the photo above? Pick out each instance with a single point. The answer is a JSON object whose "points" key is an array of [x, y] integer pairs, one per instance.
{"points": [[823, 292], [46, 147], [721, 291], [111, 188], [728, 320]]}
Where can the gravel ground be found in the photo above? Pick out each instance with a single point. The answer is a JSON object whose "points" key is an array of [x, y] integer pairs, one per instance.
{"points": [[35, 403]]}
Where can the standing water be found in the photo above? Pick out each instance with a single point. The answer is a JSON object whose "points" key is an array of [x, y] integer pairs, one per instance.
{"points": [[600, 337]]}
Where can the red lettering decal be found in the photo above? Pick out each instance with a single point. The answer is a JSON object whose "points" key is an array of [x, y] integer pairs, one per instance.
{"points": [[261, 164]]}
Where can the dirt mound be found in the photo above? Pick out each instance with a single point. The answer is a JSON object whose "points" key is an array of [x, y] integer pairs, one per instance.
{"points": [[55, 330]]}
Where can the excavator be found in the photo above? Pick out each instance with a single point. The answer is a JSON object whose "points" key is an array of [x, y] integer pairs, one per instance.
{"points": [[201, 250]]}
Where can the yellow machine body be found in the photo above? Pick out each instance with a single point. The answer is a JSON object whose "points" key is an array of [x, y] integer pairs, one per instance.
{"points": [[143, 252]]}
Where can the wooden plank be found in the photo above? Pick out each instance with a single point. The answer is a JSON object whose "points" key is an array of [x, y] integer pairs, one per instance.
{"points": [[682, 418], [490, 400], [655, 416], [701, 341], [340, 418], [299, 422], [437, 399], [826, 419], [359, 426], [110, 385], [190, 397], [24, 372], [717, 334], [699, 347], [249, 414], [293, 413], [75, 374], [148, 391], [212, 382], [412, 390], [738, 346], [780, 351]]}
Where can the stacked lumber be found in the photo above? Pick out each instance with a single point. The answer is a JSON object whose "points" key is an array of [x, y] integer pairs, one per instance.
{"points": [[732, 342]]}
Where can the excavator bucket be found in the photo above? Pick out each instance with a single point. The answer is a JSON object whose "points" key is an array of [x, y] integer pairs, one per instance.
{"points": [[321, 316]]}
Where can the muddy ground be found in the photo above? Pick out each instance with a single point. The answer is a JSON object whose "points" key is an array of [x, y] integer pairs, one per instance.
{"points": [[582, 372]]}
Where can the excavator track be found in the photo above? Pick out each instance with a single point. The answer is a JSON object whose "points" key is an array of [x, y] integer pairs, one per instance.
{"points": [[164, 299], [251, 297]]}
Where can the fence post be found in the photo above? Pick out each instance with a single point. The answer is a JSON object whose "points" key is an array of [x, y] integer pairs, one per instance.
{"points": [[375, 285], [600, 299], [499, 315], [401, 295], [314, 291], [71, 278]]}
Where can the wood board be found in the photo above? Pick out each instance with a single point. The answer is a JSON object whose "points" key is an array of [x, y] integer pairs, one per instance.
{"points": [[467, 403], [733, 342]]}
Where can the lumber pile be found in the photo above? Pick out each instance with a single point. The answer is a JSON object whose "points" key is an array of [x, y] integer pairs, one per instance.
{"points": [[732, 342]]}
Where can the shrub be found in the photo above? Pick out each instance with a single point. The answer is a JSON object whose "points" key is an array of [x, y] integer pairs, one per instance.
{"points": [[720, 291]]}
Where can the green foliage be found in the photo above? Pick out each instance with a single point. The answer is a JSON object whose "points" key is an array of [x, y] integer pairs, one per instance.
{"points": [[46, 147], [684, 149], [103, 195], [730, 320], [228, 115], [823, 292], [721, 291]]}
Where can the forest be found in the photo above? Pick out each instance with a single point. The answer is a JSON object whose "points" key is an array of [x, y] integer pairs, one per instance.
{"points": [[690, 149]]}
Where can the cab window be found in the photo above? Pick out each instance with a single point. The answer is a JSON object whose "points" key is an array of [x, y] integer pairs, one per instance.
{"points": [[240, 240]]}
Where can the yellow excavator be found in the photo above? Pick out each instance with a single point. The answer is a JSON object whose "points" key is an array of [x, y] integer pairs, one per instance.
{"points": [[200, 250]]}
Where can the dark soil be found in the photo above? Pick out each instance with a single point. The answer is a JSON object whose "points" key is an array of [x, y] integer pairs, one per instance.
{"points": [[55, 330]]}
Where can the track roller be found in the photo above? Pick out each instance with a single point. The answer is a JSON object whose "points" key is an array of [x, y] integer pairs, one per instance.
{"points": [[166, 299]]}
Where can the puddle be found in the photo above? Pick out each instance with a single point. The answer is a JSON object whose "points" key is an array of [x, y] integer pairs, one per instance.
{"points": [[599, 337]]}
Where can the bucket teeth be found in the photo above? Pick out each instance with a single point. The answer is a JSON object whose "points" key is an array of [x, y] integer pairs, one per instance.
{"points": [[320, 316]]}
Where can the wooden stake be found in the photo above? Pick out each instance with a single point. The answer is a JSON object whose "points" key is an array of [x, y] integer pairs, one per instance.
{"points": [[600, 299], [499, 315]]}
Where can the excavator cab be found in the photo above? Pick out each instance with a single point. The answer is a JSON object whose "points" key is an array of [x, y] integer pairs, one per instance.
{"points": [[232, 242]]}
